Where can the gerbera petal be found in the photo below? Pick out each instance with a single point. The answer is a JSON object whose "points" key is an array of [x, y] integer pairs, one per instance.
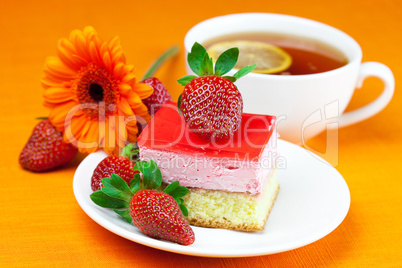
{"points": [[125, 107], [89, 137], [73, 35], [58, 95], [143, 90], [67, 58], [97, 40], [101, 132], [94, 54], [103, 48], [118, 71], [89, 30], [81, 45], [86, 128], [114, 42], [133, 99], [141, 111], [121, 136], [130, 68], [125, 89], [129, 78], [55, 75], [77, 125], [132, 130], [114, 50], [109, 141], [118, 57], [48, 83], [93, 132], [57, 66], [67, 44], [107, 62], [57, 114]]}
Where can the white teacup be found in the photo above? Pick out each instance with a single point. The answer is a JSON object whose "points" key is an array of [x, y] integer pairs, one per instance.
{"points": [[304, 104]]}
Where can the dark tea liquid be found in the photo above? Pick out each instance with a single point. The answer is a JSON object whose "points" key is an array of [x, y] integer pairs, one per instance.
{"points": [[309, 56]]}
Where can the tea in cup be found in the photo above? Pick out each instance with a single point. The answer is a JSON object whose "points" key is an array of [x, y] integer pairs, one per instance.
{"points": [[312, 94]]}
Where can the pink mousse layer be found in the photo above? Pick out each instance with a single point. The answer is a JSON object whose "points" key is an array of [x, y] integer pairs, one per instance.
{"points": [[241, 165]]}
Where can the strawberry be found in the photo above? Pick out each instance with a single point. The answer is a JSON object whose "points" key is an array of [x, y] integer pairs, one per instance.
{"points": [[158, 97], [45, 149], [211, 104], [121, 165], [158, 214]]}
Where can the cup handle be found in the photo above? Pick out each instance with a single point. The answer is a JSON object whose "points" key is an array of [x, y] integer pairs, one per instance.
{"points": [[384, 73]]}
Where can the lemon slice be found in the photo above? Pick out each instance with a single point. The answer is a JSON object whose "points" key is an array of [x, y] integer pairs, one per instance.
{"points": [[269, 58]]}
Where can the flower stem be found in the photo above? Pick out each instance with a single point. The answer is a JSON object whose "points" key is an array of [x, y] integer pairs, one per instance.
{"points": [[171, 52]]}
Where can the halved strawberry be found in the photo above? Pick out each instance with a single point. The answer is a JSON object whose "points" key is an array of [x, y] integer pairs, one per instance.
{"points": [[211, 104], [159, 214]]}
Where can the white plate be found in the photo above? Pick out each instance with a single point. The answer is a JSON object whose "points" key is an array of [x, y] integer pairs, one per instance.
{"points": [[313, 200]]}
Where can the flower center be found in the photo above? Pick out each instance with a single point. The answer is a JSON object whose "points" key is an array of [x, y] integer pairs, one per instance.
{"points": [[94, 85], [96, 92]]}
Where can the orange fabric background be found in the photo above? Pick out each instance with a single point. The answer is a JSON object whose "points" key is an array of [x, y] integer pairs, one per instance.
{"points": [[41, 224]]}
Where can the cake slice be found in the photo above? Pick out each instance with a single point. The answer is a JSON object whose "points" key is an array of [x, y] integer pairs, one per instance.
{"points": [[232, 183]]}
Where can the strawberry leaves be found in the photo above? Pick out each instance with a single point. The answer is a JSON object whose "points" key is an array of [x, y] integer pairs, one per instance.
{"points": [[177, 191], [202, 65], [186, 79], [116, 187], [151, 175], [243, 71], [106, 201], [116, 194], [207, 66], [131, 151], [196, 57], [226, 61]]}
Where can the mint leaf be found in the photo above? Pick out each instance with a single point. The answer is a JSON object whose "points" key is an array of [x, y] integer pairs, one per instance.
{"points": [[125, 214], [105, 201], [226, 61], [195, 58], [186, 79], [243, 71], [207, 67]]}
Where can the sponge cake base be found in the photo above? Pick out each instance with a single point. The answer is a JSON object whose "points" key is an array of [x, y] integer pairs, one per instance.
{"points": [[231, 210]]}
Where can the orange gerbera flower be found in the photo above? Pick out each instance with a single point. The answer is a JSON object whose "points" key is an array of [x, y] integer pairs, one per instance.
{"points": [[92, 94]]}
